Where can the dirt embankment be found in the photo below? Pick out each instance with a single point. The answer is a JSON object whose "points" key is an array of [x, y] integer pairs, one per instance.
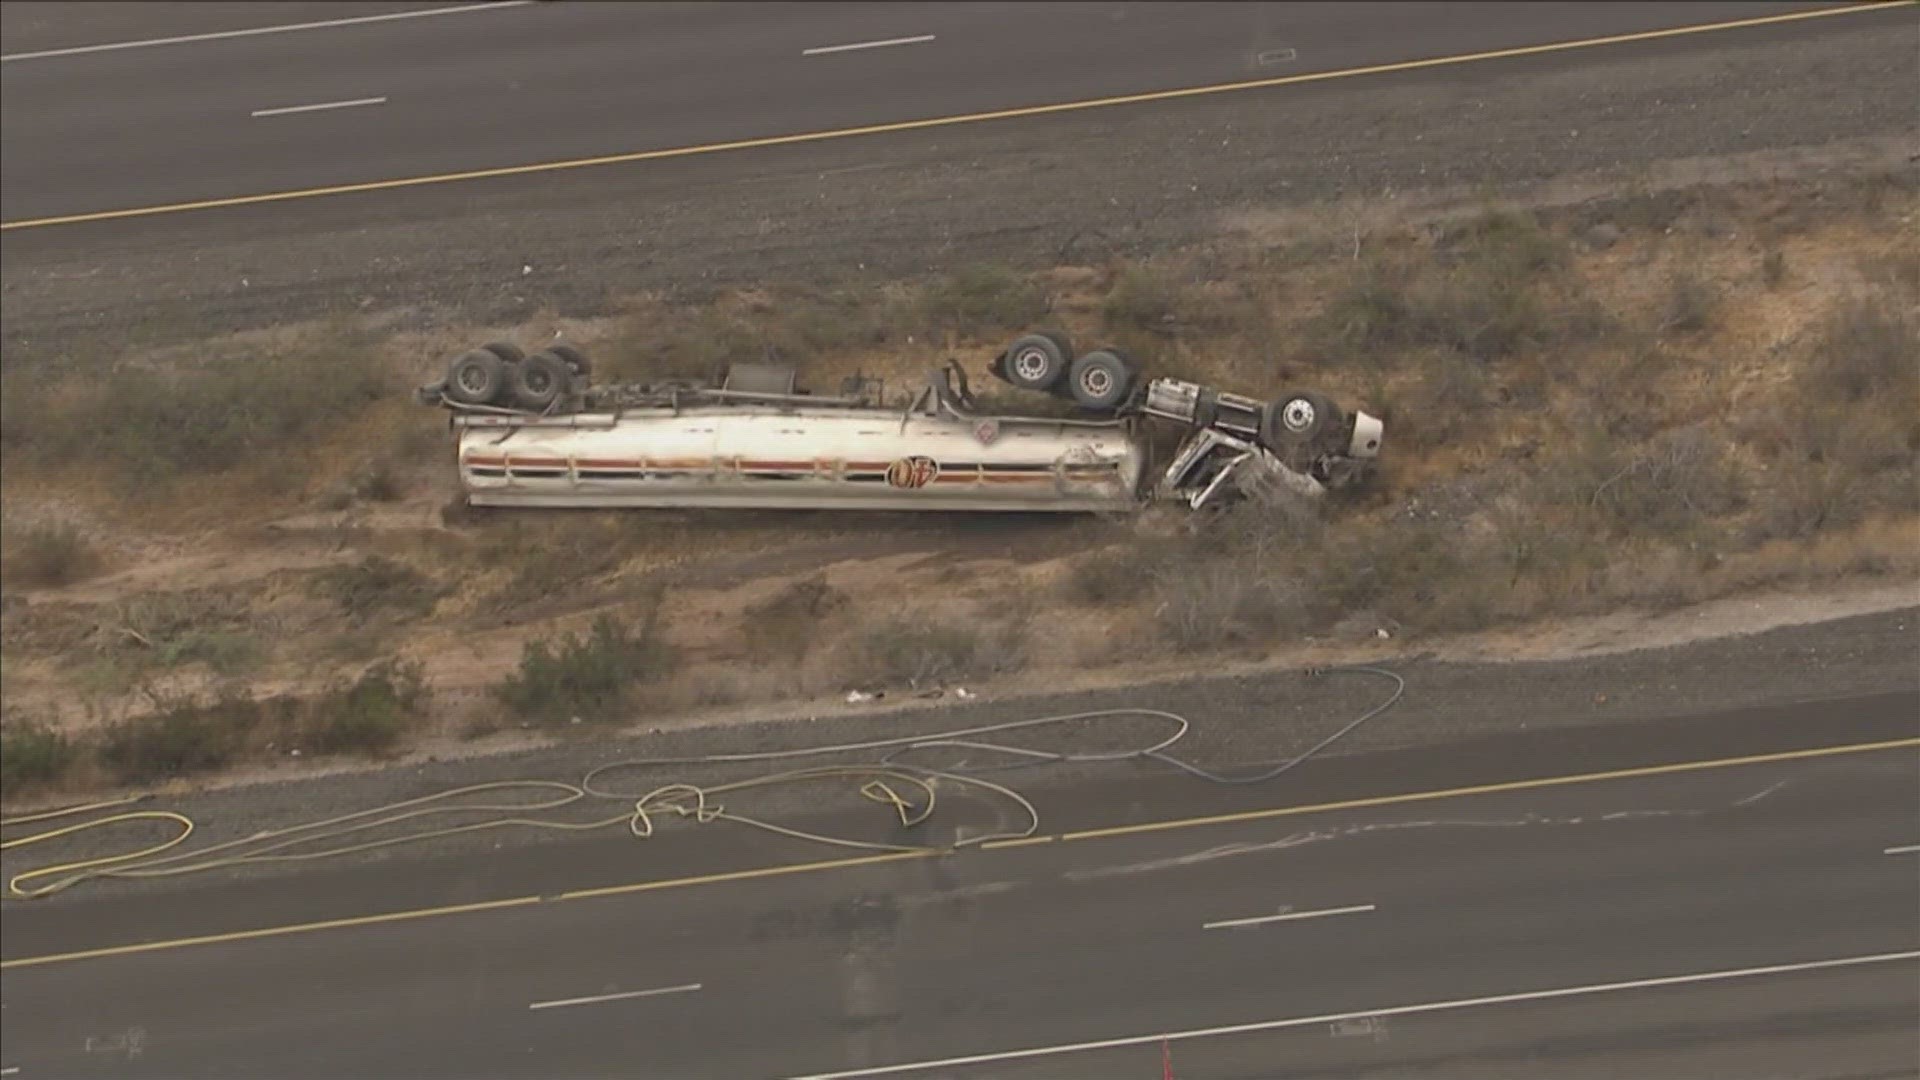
{"points": [[234, 550]]}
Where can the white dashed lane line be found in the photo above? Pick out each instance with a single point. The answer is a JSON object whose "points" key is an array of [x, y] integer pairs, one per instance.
{"points": [[356, 102], [1286, 916], [598, 998], [257, 31], [823, 50]]}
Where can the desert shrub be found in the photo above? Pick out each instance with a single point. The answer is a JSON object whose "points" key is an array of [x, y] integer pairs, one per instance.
{"points": [[546, 561], [1209, 605], [1510, 244], [802, 323], [33, 752], [225, 651], [983, 299], [1801, 498], [1866, 347], [376, 481], [1388, 561], [1689, 304], [590, 678], [172, 628], [1671, 483], [920, 648], [1143, 297], [373, 584], [154, 424], [792, 325], [648, 345], [369, 714], [183, 735], [50, 556], [1773, 268], [1112, 574], [1479, 295], [786, 625], [1443, 403]]}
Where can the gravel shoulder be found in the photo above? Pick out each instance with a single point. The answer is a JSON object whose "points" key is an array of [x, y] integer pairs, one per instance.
{"points": [[1041, 190]]}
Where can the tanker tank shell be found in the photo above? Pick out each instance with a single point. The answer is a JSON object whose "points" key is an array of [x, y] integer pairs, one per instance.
{"points": [[758, 457]]}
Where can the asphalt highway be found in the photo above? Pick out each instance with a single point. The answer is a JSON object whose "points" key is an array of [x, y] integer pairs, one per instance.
{"points": [[1753, 918], [346, 102]]}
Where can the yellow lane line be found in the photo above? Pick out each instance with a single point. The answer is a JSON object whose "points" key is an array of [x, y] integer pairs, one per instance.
{"points": [[944, 121], [272, 931], [1491, 789], [1023, 841], [746, 875], [874, 860]]}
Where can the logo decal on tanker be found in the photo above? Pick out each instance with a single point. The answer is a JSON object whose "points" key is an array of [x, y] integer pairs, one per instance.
{"points": [[912, 472]]}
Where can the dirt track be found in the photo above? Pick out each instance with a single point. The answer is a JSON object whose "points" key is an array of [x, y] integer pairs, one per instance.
{"points": [[1034, 191]]}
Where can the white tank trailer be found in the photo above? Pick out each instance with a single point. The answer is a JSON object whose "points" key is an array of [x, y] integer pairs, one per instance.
{"points": [[535, 431]]}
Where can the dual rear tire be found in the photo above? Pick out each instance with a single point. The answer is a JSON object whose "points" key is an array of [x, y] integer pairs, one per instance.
{"points": [[500, 374], [1099, 381]]}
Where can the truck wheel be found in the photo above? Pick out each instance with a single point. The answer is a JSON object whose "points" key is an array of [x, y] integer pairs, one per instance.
{"points": [[507, 351], [1037, 361], [1102, 380], [577, 360], [540, 380], [476, 378], [1297, 420]]}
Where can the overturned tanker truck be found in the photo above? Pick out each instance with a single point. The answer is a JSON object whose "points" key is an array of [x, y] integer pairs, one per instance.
{"points": [[535, 431]]}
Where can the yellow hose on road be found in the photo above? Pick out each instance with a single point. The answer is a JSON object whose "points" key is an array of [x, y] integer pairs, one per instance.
{"points": [[880, 782], [86, 867]]}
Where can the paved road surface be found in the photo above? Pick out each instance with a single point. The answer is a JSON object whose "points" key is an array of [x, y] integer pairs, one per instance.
{"points": [[1413, 907], [511, 85]]}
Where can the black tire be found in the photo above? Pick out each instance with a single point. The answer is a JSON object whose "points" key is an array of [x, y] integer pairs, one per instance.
{"points": [[507, 351], [577, 360], [477, 378], [1036, 361], [1297, 420], [1102, 380], [540, 380]]}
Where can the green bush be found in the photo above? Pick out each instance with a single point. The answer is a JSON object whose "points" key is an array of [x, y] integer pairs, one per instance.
{"points": [[373, 584], [369, 714], [590, 678], [32, 752], [183, 736], [153, 424]]}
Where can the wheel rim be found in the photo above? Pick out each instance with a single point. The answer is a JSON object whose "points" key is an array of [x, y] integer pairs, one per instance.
{"points": [[539, 382], [473, 379], [1297, 415], [1097, 382], [1030, 364]]}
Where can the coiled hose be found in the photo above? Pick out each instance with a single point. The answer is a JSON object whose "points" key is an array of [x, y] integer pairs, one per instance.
{"points": [[883, 782]]}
